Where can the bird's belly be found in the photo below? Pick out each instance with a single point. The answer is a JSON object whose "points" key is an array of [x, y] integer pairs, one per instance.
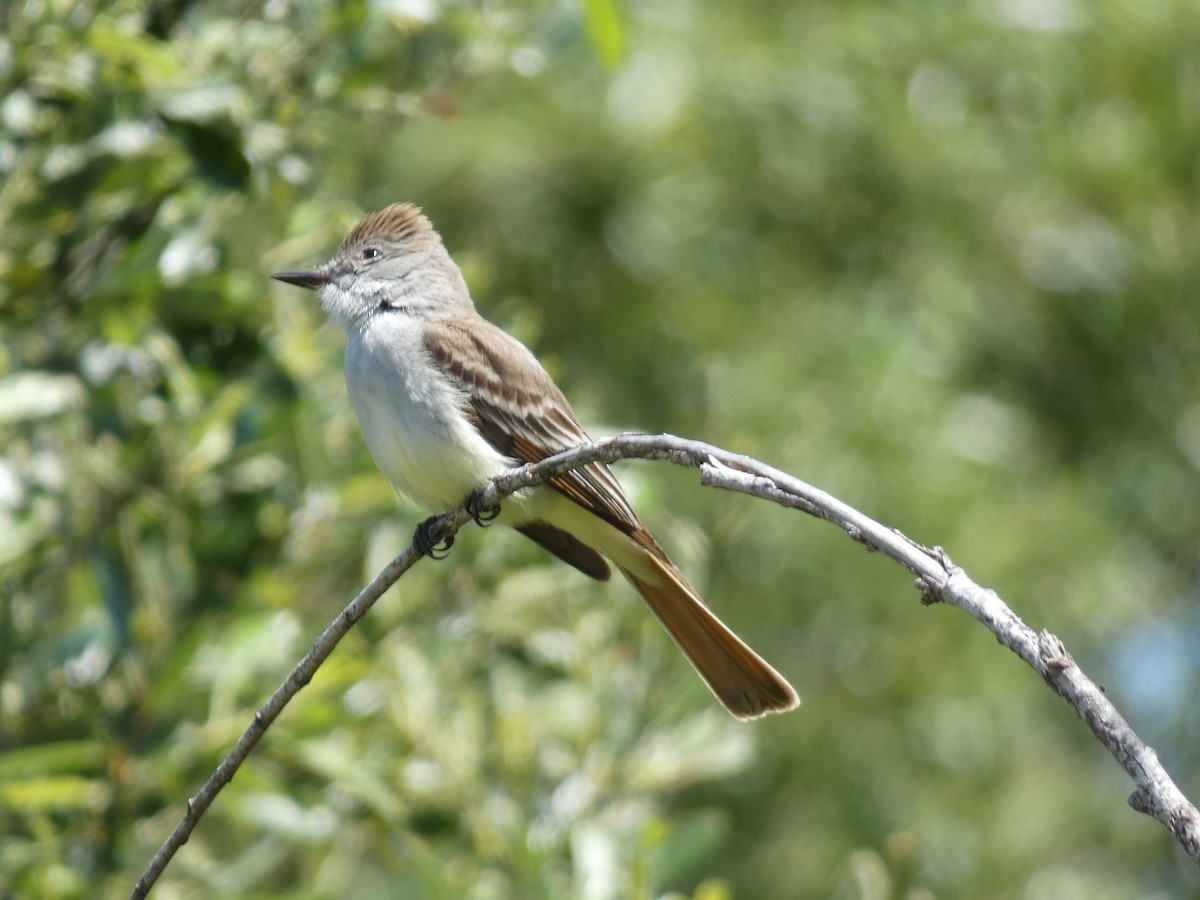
{"points": [[419, 437]]}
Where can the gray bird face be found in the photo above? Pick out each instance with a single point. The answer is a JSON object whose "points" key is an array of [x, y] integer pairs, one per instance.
{"points": [[393, 259], [360, 279]]}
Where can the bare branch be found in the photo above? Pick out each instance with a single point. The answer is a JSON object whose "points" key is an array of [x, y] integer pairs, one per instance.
{"points": [[300, 676], [937, 578]]}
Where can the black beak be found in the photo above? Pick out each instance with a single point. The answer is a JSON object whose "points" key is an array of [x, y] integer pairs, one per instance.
{"points": [[310, 280]]}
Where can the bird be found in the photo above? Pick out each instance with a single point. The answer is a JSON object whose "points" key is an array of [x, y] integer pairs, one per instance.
{"points": [[447, 400]]}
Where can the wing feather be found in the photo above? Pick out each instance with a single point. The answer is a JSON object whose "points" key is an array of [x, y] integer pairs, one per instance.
{"points": [[520, 411]]}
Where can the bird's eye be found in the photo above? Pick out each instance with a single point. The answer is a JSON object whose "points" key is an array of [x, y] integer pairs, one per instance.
{"points": [[370, 254]]}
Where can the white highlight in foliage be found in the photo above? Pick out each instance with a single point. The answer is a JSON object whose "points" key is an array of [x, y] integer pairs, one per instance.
{"points": [[647, 96], [936, 95], [34, 395], [186, 256]]}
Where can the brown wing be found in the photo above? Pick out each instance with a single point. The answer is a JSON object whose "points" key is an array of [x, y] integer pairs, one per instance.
{"points": [[520, 411]]}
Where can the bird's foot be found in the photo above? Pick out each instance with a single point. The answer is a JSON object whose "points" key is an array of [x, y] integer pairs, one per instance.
{"points": [[483, 515], [427, 541]]}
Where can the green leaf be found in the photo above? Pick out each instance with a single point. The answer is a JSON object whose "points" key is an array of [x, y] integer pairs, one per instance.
{"points": [[58, 792], [605, 31], [44, 759]]}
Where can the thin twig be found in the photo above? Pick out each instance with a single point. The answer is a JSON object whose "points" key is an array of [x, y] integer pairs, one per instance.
{"points": [[300, 676], [937, 578]]}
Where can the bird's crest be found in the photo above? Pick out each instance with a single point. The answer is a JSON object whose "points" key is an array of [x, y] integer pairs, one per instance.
{"points": [[393, 223]]}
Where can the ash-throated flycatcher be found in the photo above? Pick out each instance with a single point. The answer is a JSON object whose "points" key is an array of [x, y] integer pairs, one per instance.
{"points": [[447, 400]]}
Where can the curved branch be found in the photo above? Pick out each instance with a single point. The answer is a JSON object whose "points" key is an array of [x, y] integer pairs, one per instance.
{"points": [[937, 578]]}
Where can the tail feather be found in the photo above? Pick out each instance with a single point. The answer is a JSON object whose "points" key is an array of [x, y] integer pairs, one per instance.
{"points": [[743, 681]]}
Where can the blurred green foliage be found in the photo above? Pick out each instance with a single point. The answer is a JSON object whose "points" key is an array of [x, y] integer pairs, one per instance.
{"points": [[939, 259]]}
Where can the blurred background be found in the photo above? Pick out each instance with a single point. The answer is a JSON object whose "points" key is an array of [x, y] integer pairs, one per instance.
{"points": [[939, 259]]}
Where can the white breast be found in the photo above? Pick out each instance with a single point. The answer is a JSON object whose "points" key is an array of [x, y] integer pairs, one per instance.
{"points": [[411, 415]]}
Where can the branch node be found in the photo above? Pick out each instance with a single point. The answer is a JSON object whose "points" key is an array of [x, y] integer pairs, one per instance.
{"points": [[930, 592], [1142, 800], [1053, 652], [942, 558]]}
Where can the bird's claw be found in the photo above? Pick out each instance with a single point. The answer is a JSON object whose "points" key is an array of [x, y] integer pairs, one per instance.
{"points": [[483, 515], [428, 543]]}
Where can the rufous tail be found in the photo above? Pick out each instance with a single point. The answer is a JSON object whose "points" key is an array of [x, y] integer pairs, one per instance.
{"points": [[742, 680]]}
